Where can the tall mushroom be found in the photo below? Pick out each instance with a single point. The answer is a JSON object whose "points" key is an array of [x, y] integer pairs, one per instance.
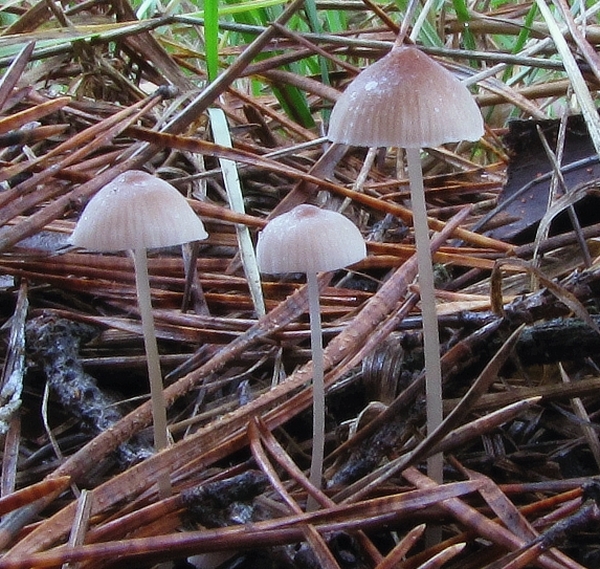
{"points": [[138, 211], [308, 240], [408, 100]]}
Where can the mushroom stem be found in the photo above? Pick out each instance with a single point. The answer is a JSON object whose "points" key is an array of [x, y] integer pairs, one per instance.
{"points": [[431, 339], [159, 412], [316, 346]]}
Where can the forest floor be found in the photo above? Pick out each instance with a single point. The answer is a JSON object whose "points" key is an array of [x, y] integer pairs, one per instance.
{"points": [[92, 89]]}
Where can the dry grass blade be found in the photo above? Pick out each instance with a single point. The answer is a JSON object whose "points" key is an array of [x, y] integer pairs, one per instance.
{"points": [[221, 135], [582, 41], [80, 524], [576, 77], [567, 201]]}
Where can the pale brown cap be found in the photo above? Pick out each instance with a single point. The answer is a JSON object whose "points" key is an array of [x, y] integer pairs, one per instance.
{"points": [[405, 99], [137, 210], [309, 239]]}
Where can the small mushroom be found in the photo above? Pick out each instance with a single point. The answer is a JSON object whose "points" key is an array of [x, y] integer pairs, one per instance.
{"points": [[408, 100], [138, 211], [308, 240], [405, 99]]}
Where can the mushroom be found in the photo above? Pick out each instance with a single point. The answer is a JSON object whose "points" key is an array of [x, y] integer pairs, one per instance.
{"points": [[138, 211], [308, 240], [407, 99]]}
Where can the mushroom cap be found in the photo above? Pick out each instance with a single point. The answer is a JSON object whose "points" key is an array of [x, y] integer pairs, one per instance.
{"points": [[137, 210], [405, 99], [309, 239]]}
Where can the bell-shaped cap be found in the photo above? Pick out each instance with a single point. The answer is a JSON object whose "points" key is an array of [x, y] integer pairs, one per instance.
{"points": [[308, 239], [137, 211], [405, 99]]}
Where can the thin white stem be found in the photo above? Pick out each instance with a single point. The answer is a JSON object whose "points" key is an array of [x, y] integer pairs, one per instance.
{"points": [[159, 412], [316, 345], [431, 339]]}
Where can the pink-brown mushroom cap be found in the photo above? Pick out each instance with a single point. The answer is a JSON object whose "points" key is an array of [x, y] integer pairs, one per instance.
{"points": [[405, 99], [309, 239], [137, 210]]}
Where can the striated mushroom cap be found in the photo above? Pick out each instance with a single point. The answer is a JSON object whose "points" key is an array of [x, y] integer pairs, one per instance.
{"points": [[309, 239], [405, 99], [137, 210]]}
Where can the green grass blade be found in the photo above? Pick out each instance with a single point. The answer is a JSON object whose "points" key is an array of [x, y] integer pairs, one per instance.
{"points": [[463, 15], [522, 38], [315, 25], [294, 103], [211, 38]]}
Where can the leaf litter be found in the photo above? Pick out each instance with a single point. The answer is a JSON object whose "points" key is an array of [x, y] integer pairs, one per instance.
{"points": [[89, 91]]}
